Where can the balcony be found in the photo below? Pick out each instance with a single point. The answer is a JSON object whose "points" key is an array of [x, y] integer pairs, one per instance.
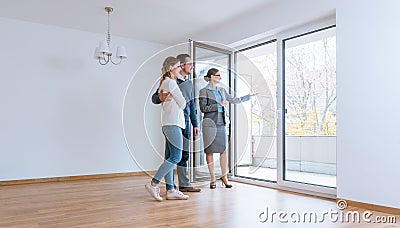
{"points": [[308, 159]]}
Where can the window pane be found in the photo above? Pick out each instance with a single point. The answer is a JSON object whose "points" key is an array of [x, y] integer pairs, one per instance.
{"points": [[310, 108], [256, 128]]}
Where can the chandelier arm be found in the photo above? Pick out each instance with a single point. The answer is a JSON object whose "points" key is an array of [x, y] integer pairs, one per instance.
{"points": [[102, 63], [105, 60], [120, 61]]}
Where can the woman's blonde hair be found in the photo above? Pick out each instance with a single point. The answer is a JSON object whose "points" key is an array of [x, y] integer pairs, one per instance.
{"points": [[170, 61]]}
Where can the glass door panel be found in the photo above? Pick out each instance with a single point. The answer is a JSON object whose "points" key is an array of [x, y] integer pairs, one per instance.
{"points": [[310, 108], [256, 128], [206, 57]]}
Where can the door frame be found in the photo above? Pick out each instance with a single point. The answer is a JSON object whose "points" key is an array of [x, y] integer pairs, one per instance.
{"points": [[231, 151]]}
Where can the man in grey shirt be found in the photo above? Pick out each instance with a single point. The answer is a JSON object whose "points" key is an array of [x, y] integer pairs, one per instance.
{"points": [[186, 87]]}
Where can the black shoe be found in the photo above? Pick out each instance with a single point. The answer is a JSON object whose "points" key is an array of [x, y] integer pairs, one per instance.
{"points": [[213, 185], [226, 185], [189, 189]]}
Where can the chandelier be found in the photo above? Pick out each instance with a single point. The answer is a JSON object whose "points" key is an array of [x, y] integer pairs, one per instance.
{"points": [[103, 51]]}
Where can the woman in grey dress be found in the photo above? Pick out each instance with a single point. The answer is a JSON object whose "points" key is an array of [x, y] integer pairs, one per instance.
{"points": [[213, 102]]}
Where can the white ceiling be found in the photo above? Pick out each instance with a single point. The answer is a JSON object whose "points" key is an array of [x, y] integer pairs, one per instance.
{"points": [[168, 22]]}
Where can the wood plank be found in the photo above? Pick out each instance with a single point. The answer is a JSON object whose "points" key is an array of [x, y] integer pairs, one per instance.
{"points": [[372, 207], [124, 202]]}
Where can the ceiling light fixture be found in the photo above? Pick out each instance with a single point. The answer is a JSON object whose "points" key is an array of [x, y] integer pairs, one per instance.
{"points": [[103, 52]]}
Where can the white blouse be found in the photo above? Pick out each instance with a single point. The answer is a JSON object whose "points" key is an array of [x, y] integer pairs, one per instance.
{"points": [[172, 110]]}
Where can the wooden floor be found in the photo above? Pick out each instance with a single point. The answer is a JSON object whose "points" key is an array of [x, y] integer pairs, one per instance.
{"points": [[124, 202]]}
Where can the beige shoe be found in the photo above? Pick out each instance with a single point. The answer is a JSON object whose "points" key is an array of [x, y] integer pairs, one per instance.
{"points": [[154, 191]]}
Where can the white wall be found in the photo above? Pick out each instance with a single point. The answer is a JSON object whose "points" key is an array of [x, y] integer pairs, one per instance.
{"points": [[61, 112], [368, 107]]}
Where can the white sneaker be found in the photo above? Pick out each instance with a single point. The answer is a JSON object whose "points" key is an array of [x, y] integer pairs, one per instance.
{"points": [[154, 191], [176, 195]]}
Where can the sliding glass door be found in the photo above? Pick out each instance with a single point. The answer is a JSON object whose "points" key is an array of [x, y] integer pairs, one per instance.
{"points": [[256, 128], [295, 147], [309, 147]]}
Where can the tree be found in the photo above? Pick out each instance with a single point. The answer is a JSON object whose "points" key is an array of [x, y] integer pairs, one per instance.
{"points": [[310, 88]]}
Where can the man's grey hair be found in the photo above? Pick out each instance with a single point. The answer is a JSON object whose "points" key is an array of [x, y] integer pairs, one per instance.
{"points": [[182, 58]]}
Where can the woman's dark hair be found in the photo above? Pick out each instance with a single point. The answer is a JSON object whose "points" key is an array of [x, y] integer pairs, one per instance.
{"points": [[211, 71]]}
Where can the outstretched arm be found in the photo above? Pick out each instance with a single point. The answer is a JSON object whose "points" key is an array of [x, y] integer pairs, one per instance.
{"points": [[236, 100]]}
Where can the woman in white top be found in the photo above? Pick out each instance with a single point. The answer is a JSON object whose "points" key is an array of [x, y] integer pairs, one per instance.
{"points": [[173, 121]]}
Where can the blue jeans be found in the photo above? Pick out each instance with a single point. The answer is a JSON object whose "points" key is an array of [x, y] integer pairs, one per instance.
{"points": [[173, 154], [182, 165]]}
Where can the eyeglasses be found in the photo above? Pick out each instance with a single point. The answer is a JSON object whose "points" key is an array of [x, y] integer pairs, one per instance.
{"points": [[217, 75], [188, 63]]}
